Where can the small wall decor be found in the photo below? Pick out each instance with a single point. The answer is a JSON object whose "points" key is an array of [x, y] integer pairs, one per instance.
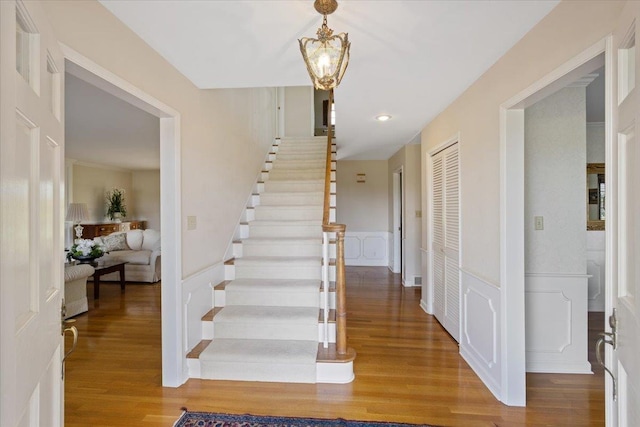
{"points": [[361, 177]]}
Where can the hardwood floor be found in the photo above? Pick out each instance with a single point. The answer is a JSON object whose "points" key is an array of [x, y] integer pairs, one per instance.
{"points": [[407, 370]]}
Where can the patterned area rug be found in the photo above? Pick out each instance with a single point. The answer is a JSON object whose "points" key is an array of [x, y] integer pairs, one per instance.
{"points": [[209, 419]]}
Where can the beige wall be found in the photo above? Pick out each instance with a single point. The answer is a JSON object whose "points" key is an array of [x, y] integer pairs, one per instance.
{"points": [[298, 114], [90, 186], [146, 197], [363, 206], [225, 134], [569, 29]]}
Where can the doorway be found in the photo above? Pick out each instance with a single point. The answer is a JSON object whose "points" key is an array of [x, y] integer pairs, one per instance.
{"points": [[398, 220], [512, 211], [559, 130], [170, 215]]}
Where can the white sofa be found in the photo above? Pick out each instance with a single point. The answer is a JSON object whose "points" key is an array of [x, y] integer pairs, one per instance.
{"points": [[75, 288], [141, 252]]}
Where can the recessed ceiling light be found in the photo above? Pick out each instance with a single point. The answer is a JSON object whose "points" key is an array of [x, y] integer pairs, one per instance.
{"points": [[383, 117]]}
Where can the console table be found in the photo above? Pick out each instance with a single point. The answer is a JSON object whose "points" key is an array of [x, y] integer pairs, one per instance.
{"points": [[106, 268], [105, 228]]}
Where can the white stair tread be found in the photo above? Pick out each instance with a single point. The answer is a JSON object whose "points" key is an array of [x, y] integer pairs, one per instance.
{"points": [[267, 315], [261, 351], [274, 285]]}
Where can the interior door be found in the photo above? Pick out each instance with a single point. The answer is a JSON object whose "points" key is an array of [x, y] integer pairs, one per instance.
{"points": [[623, 231], [446, 237], [31, 220]]}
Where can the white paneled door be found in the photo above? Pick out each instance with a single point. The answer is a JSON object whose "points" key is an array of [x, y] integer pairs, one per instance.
{"points": [[623, 230], [31, 221], [445, 181]]}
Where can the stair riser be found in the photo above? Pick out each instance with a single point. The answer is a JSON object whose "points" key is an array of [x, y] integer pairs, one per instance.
{"points": [[238, 371], [291, 231], [209, 332], [285, 249], [261, 331], [231, 273], [269, 213], [271, 299], [298, 164], [292, 186], [320, 154], [315, 176], [279, 199], [291, 175], [303, 145], [277, 272]]}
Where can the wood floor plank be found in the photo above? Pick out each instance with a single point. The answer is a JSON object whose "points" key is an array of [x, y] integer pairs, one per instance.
{"points": [[407, 370]]}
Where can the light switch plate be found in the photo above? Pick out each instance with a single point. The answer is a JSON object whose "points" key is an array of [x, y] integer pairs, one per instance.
{"points": [[192, 222]]}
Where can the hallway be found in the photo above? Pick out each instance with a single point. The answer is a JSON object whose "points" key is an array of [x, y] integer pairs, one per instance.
{"points": [[407, 370]]}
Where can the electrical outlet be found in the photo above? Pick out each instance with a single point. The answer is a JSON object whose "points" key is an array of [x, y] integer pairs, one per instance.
{"points": [[539, 222], [418, 214], [192, 222]]}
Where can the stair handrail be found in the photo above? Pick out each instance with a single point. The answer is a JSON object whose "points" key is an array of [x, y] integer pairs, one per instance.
{"points": [[339, 230]]}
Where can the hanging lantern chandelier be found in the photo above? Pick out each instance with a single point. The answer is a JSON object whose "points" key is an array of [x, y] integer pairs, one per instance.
{"points": [[327, 56]]}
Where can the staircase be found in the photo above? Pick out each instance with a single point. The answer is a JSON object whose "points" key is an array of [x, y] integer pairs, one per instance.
{"points": [[267, 323]]}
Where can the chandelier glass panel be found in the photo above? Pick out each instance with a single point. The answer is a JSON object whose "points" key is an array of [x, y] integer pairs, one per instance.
{"points": [[327, 56]]}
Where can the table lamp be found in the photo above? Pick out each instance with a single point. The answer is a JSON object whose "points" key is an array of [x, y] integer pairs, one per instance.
{"points": [[76, 213]]}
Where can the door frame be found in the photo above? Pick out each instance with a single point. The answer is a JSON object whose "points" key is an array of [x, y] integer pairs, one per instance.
{"points": [[398, 222], [174, 370], [512, 237]]}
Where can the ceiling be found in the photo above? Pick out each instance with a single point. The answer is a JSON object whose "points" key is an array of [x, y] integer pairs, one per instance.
{"points": [[102, 129], [409, 59]]}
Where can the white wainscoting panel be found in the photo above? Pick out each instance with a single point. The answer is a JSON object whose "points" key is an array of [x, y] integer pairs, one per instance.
{"points": [[364, 248], [480, 329], [596, 269], [556, 323], [197, 298]]}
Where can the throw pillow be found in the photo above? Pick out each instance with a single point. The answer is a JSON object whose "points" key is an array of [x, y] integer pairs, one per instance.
{"points": [[134, 239], [115, 242]]}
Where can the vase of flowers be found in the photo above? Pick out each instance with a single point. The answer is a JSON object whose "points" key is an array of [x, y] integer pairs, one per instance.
{"points": [[86, 251], [116, 209]]}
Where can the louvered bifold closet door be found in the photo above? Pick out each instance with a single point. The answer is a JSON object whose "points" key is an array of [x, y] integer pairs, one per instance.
{"points": [[446, 236], [438, 240], [451, 245]]}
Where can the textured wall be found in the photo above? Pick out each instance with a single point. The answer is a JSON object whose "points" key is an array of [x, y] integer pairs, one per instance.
{"points": [[595, 142], [555, 176]]}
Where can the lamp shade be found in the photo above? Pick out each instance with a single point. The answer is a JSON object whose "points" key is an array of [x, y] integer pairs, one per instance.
{"points": [[77, 212]]}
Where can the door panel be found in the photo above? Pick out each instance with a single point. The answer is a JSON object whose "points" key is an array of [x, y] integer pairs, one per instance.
{"points": [[623, 211], [446, 237], [31, 221]]}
